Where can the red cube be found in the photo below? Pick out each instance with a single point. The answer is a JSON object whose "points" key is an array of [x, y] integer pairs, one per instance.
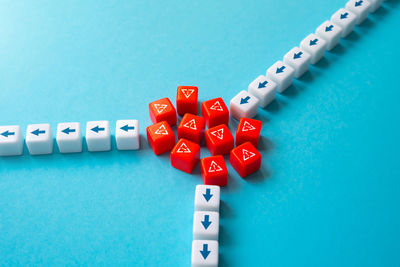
{"points": [[248, 131], [215, 112], [245, 159], [162, 110], [161, 138], [186, 100], [219, 140], [185, 155], [214, 171], [191, 128]]}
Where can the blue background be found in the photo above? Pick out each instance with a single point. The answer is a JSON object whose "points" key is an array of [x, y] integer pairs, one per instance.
{"points": [[328, 190]]}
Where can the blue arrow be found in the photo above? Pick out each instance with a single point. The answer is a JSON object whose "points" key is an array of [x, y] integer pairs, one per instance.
{"points": [[37, 132], [358, 3], [344, 16], [205, 252], [208, 194], [68, 130], [206, 223], [313, 42], [7, 133], [244, 100], [127, 128], [262, 85], [329, 28], [297, 55], [97, 129], [279, 70]]}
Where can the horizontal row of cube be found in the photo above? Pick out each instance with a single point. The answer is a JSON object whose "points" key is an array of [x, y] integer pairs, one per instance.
{"points": [[279, 76], [39, 138]]}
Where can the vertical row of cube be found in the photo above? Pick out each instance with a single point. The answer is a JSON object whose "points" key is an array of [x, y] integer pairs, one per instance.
{"points": [[39, 138], [206, 226]]}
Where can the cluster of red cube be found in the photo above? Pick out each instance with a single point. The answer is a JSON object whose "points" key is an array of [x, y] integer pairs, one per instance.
{"points": [[185, 154]]}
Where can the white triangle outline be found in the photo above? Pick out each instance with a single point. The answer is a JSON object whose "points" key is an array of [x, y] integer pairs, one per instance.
{"points": [[219, 133], [214, 167], [217, 106], [187, 92], [160, 107], [161, 130], [247, 127], [191, 124], [247, 154], [183, 149]]}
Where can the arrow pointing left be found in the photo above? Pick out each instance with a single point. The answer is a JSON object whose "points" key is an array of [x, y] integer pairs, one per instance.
{"points": [[7, 133], [127, 128], [68, 130], [97, 129], [37, 132]]}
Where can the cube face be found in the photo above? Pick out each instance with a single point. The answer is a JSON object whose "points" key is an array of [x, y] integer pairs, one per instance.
{"points": [[205, 253], [11, 141], [127, 134], [161, 138], [186, 100], [69, 137], [214, 171], [345, 20], [360, 8], [162, 110], [315, 46], [215, 112], [244, 105], [282, 74], [299, 60], [98, 136], [330, 32], [185, 155], [39, 139], [219, 140], [264, 89], [248, 131], [191, 127], [207, 198], [205, 225], [245, 159]]}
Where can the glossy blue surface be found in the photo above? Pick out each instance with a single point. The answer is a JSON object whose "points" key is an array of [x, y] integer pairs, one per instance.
{"points": [[327, 193]]}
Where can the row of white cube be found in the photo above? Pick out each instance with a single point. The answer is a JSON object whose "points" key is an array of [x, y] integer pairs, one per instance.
{"points": [[279, 76], [39, 139], [206, 226]]}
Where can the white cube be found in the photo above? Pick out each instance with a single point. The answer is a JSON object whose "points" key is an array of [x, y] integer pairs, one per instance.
{"points": [[282, 74], [205, 253], [330, 32], [207, 198], [315, 46], [375, 4], [69, 137], [299, 60], [39, 139], [244, 105], [264, 89], [360, 8], [98, 136], [345, 20], [205, 225], [11, 141], [127, 135]]}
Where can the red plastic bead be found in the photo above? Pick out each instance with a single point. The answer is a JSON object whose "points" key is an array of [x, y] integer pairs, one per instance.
{"points": [[219, 140], [191, 128], [161, 138], [162, 110], [214, 171], [215, 112], [185, 155], [248, 131], [245, 159], [186, 100]]}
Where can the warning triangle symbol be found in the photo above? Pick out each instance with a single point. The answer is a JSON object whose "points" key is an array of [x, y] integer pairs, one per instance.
{"points": [[161, 130], [217, 106], [160, 107], [247, 127], [191, 124], [187, 92], [214, 167], [183, 149], [219, 133], [247, 154]]}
